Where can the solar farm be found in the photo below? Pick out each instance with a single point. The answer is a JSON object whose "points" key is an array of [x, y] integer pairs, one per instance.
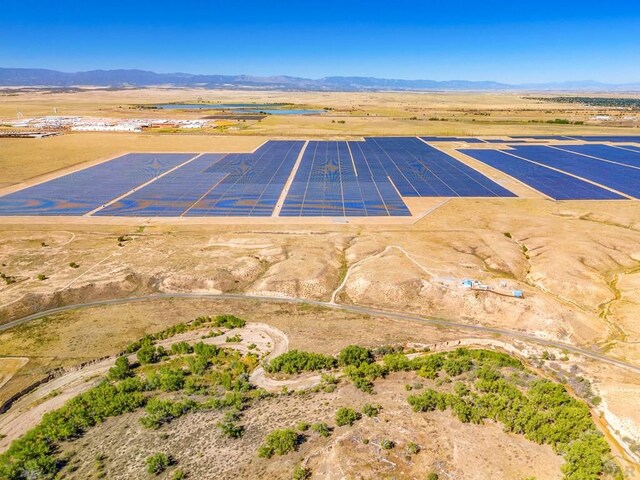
{"points": [[367, 178]]}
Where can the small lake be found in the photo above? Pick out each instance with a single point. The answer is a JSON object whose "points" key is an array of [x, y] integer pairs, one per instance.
{"points": [[239, 108]]}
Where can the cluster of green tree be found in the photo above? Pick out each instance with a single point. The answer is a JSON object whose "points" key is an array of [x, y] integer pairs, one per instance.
{"points": [[33, 455], [220, 373], [545, 414], [453, 363], [219, 321], [615, 102], [296, 361]]}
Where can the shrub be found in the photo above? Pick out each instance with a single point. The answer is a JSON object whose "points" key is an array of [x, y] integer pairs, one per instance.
{"points": [[457, 366], [427, 401], [346, 416], [433, 476], [363, 376], [387, 444], [198, 364], [321, 429], [168, 379], [228, 321], [161, 411], [158, 463], [181, 348], [147, 354], [229, 426], [397, 362], [205, 350], [301, 473], [296, 362], [178, 475], [233, 339], [279, 442], [302, 426], [355, 355], [413, 448], [121, 369], [371, 410]]}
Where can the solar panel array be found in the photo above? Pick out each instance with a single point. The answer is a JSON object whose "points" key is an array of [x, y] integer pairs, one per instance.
{"points": [[82, 191], [171, 195], [333, 179], [336, 179], [621, 155], [622, 178], [606, 138], [420, 170], [252, 183], [552, 183]]}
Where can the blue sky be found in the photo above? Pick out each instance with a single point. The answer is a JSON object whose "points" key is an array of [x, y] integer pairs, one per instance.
{"points": [[515, 41]]}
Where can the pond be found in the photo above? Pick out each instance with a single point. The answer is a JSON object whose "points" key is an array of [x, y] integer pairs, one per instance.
{"points": [[240, 108]]}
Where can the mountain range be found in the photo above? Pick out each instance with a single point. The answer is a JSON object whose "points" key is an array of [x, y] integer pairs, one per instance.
{"points": [[34, 77]]}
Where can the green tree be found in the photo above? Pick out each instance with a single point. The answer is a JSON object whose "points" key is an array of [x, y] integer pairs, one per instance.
{"points": [[121, 369], [355, 355], [147, 354], [279, 442]]}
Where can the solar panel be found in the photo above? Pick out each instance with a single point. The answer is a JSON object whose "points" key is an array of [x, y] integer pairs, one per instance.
{"points": [[619, 177], [552, 183], [422, 170], [81, 192]]}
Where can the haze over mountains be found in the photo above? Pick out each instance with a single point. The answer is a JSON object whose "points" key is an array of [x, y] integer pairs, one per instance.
{"points": [[141, 78]]}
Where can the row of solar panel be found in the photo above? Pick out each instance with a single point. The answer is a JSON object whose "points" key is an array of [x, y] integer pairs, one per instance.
{"points": [[573, 172]]}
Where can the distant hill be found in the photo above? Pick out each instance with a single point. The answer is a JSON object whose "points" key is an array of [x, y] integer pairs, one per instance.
{"points": [[32, 77]]}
